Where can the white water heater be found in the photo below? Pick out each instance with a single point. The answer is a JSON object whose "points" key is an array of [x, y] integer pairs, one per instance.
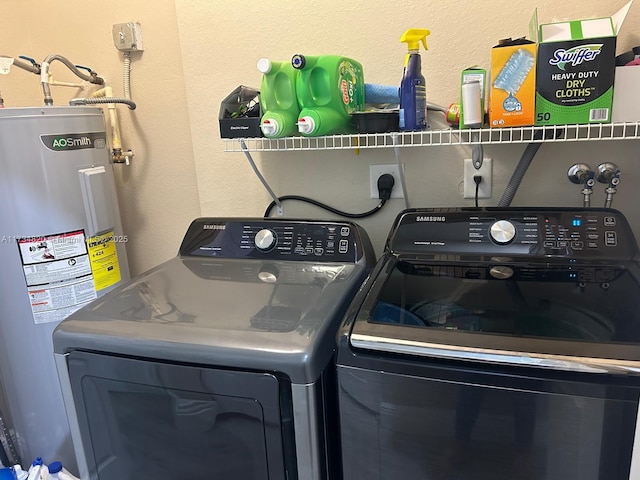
{"points": [[61, 246]]}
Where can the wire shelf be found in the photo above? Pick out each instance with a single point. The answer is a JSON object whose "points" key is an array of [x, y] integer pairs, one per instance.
{"points": [[428, 138]]}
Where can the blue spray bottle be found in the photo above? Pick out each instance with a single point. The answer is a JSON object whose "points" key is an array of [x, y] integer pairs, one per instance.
{"points": [[413, 90]]}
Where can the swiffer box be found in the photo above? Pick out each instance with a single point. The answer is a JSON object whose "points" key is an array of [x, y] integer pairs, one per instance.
{"points": [[512, 97], [576, 68]]}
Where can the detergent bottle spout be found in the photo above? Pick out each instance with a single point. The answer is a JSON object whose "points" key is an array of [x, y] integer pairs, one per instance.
{"points": [[413, 90]]}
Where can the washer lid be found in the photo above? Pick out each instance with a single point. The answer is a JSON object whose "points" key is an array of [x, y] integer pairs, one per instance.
{"points": [[568, 316], [263, 315]]}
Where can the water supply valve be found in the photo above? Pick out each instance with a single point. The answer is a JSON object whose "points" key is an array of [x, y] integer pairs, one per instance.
{"points": [[609, 173], [581, 174], [36, 65], [94, 78], [121, 156]]}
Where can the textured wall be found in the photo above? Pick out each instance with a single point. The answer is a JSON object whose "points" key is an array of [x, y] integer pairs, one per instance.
{"points": [[221, 42]]}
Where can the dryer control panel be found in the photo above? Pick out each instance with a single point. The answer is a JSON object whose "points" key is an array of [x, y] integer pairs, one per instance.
{"points": [[276, 239], [561, 232]]}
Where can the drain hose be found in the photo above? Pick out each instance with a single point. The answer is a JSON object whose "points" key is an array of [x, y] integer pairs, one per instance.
{"points": [[518, 174]]}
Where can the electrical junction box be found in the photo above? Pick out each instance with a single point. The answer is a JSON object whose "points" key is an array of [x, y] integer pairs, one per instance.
{"points": [[127, 37]]}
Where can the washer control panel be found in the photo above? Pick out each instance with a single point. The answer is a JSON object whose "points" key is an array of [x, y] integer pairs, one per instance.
{"points": [[545, 231], [274, 239]]}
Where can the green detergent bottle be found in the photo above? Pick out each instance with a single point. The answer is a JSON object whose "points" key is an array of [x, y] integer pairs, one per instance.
{"points": [[330, 88], [278, 99]]}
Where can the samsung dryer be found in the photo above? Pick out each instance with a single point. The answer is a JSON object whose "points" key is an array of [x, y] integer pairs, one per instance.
{"points": [[218, 363]]}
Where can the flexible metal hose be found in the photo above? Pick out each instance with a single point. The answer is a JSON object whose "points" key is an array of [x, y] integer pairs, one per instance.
{"points": [[86, 77], [126, 75], [44, 75], [92, 101]]}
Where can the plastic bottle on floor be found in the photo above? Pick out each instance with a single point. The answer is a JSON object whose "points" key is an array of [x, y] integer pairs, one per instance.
{"points": [[37, 470], [58, 472], [20, 474]]}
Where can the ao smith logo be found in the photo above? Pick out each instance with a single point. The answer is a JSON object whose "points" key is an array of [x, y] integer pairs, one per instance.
{"points": [[431, 219], [61, 143], [576, 55], [74, 141]]}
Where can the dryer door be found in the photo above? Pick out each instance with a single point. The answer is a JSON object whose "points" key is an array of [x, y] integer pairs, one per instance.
{"points": [[138, 417]]}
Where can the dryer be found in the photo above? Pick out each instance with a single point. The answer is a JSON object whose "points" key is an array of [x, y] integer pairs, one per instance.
{"points": [[218, 363], [495, 343]]}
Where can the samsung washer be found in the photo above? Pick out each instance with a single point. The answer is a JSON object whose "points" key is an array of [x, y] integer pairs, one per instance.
{"points": [[495, 343]]}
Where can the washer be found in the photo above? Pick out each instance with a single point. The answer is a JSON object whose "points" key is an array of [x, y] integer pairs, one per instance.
{"points": [[495, 343], [218, 363]]}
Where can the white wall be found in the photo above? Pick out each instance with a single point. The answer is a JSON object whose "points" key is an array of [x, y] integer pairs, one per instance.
{"points": [[197, 51]]}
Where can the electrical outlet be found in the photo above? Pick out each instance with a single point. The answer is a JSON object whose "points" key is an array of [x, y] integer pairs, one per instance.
{"points": [[486, 171], [374, 173], [127, 37]]}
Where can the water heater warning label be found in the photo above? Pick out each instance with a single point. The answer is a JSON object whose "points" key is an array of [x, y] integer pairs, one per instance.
{"points": [[104, 260], [58, 274]]}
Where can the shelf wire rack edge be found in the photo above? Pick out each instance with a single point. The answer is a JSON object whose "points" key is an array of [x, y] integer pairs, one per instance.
{"points": [[448, 137]]}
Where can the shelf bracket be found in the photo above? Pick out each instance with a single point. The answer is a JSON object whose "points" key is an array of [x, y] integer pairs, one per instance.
{"points": [[477, 151]]}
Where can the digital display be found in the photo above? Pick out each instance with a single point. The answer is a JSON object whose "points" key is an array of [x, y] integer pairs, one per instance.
{"points": [[576, 222]]}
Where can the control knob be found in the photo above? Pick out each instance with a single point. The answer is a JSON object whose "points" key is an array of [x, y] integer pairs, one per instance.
{"points": [[265, 240], [502, 232]]}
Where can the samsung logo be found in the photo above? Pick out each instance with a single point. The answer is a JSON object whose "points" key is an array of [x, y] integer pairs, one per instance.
{"points": [[431, 219], [209, 226]]}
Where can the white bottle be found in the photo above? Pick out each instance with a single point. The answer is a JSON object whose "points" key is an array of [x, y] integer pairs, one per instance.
{"points": [[20, 474], [66, 475], [37, 470], [58, 472], [54, 469]]}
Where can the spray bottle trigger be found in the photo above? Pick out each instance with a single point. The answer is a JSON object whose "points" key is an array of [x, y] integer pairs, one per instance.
{"points": [[413, 36]]}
